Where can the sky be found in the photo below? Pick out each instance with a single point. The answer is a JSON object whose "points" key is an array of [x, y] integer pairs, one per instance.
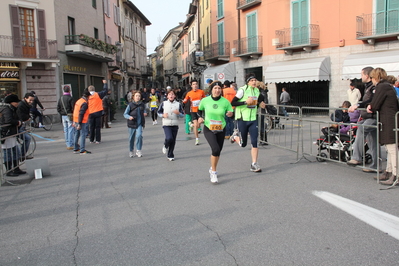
{"points": [[163, 15]]}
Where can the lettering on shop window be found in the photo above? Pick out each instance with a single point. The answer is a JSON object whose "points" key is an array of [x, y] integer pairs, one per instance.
{"points": [[74, 68], [9, 75]]}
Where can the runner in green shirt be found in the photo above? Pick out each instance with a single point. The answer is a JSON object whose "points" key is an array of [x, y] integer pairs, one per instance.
{"points": [[212, 111]]}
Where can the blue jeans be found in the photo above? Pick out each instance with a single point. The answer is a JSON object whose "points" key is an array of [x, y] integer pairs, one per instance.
{"points": [[10, 154], [82, 133], [135, 135], [284, 110], [229, 125], [69, 131], [26, 140]]}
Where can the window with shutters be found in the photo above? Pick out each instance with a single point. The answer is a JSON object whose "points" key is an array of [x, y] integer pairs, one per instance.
{"points": [[106, 8], [221, 38], [94, 3], [300, 22], [387, 16], [252, 32], [220, 9], [27, 31]]}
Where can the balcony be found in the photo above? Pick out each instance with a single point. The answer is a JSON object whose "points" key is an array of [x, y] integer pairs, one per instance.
{"points": [[146, 71], [249, 47], [304, 37], [86, 47], [169, 72], [377, 26], [29, 48], [219, 51], [245, 4]]}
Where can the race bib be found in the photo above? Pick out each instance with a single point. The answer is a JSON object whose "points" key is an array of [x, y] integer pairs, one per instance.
{"points": [[216, 125], [195, 103], [254, 102]]}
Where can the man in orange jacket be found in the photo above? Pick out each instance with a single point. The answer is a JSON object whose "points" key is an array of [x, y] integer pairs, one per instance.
{"points": [[80, 119], [96, 111]]}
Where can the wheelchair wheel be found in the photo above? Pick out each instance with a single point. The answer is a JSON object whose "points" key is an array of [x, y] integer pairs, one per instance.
{"points": [[47, 123], [320, 157]]}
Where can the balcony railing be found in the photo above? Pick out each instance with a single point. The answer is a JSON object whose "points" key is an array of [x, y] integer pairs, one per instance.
{"points": [[297, 37], [248, 46], [217, 51], [27, 48], [377, 25], [146, 71], [90, 48], [244, 4]]}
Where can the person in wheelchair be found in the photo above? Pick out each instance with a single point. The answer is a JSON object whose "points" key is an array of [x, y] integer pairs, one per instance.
{"points": [[34, 111], [339, 116]]}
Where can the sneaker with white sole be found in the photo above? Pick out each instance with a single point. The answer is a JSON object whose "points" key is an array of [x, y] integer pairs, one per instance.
{"points": [[164, 149], [255, 167], [171, 159], [196, 141], [139, 154], [131, 154], [214, 177]]}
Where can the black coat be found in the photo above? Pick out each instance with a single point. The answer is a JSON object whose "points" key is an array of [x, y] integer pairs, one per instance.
{"points": [[386, 103], [9, 117], [23, 110], [69, 104]]}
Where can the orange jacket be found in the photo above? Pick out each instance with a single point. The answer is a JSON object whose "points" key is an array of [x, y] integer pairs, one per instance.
{"points": [[95, 103], [81, 105], [229, 94], [195, 97]]}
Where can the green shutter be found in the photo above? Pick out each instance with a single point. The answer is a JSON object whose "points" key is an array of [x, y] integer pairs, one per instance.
{"points": [[221, 38], [387, 16], [220, 9], [392, 16], [252, 32], [380, 16], [300, 22]]}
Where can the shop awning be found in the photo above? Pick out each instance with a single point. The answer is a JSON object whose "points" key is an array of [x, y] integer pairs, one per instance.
{"points": [[221, 72], [354, 63], [311, 69]]}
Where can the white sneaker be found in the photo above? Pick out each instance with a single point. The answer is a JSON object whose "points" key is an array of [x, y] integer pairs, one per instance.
{"points": [[196, 141], [131, 154], [156, 122], [138, 153], [255, 167], [153, 122], [164, 149], [214, 177], [171, 159]]}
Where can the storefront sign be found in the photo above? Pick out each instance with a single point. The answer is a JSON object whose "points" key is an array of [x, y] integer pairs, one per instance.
{"points": [[74, 68], [9, 75], [9, 65], [116, 76]]}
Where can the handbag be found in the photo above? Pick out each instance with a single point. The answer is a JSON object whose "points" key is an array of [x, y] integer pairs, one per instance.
{"points": [[70, 115]]}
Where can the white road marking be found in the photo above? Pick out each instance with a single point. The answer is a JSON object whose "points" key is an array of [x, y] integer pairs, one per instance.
{"points": [[382, 221]]}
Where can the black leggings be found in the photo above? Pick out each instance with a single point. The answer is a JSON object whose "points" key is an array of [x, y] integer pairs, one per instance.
{"points": [[154, 114], [216, 141]]}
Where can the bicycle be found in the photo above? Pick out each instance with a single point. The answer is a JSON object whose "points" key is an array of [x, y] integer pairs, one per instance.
{"points": [[47, 121], [32, 145]]}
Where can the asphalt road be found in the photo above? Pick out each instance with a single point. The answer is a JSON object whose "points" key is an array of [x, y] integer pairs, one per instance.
{"points": [[109, 209]]}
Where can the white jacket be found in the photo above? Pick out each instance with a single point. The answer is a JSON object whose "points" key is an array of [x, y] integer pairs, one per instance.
{"points": [[168, 108]]}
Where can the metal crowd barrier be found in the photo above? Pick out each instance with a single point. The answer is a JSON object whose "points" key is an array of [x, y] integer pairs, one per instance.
{"points": [[303, 135]]}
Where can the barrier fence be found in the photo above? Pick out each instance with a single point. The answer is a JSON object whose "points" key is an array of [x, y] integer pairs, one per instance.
{"points": [[319, 137]]}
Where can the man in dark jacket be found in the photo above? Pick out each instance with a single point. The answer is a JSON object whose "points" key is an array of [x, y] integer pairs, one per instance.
{"points": [[107, 107], [96, 111], [23, 112], [9, 128], [65, 109], [365, 131], [34, 109]]}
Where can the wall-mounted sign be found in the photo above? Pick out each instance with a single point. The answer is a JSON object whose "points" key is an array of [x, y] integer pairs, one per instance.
{"points": [[9, 75], [9, 65], [74, 68]]}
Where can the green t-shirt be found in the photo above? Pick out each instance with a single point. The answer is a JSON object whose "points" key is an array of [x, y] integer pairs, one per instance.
{"points": [[215, 112]]}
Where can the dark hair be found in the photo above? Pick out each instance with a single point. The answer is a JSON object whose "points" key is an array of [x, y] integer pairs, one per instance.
{"points": [[215, 83], [367, 70], [86, 92], [67, 88], [194, 80], [346, 104], [352, 84], [249, 76], [29, 94], [33, 92], [227, 83]]}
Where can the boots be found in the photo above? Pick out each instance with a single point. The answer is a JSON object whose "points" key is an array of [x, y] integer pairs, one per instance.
{"points": [[8, 167], [391, 180], [385, 176]]}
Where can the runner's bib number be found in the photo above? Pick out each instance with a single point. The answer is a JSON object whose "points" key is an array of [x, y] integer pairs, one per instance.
{"points": [[196, 103], [215, 125]]}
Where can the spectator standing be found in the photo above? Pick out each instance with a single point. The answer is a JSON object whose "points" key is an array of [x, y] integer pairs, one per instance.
{"points": [[80, 120], [96, 111], [23, 110], [385, 102], [354, 94], [65, 107], [107, 108], [284, 100]]}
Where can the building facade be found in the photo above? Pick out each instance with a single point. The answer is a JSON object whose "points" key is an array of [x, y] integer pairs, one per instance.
{"points": [[28, 50]]}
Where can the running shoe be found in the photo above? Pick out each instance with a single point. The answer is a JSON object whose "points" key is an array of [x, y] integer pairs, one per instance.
{"points": [[255, 167], [138, 153], [164, 149], [171, 159], [85, 152], [196, 141], [98, 142], [76, 151], [214, 177], [131, 154]]}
